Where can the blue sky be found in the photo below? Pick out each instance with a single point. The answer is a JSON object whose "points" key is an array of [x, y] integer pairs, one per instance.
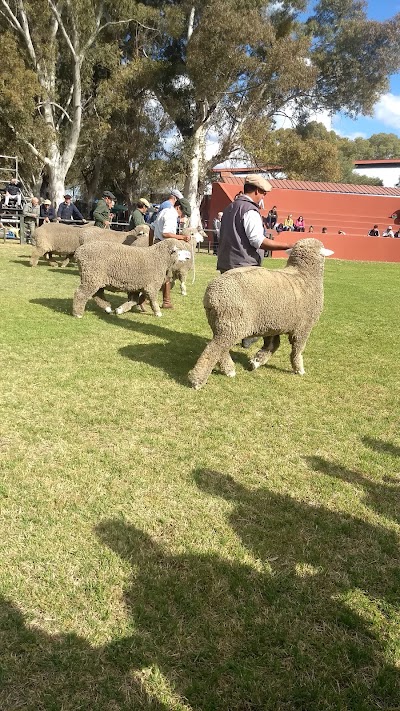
{"points": [[386, 118]]}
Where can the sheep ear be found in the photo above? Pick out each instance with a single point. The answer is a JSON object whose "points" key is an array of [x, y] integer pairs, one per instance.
{"points": [[288, 251], [326, 252]]}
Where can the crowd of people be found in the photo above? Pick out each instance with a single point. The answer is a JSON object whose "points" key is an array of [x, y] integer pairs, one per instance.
{"points": [[374, 232]]}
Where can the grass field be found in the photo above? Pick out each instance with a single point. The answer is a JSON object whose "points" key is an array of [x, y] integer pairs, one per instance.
{"points": [[233, 549]]}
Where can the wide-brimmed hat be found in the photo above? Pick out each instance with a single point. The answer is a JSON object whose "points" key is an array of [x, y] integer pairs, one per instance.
{"points": [[46, 202], [144, 202], [109, 195], [66, 197], [258, 181], [185, 206], [176, 193]]}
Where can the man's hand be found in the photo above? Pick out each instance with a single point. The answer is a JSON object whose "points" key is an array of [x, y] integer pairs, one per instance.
{"points": [[107, 223]]}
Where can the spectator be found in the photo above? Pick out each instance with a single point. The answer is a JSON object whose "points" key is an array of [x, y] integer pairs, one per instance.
{"points": [[324, 230], [138, 216], [31, 213], [288, 225], [311, 228], [101, 213], [341, 232], [166, 227], [171, 200], [47, 212], [13, 192], [397, 234], [153, 216], [279, 227], [299, 225], [388, 232], [67, 211], [217, 227], [374, 232], [272, 218]]}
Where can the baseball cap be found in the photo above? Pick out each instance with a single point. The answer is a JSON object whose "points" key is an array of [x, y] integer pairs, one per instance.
{"points": [[107, 193], [258, 181], [176, 193], [145, 202], [185, 205]]}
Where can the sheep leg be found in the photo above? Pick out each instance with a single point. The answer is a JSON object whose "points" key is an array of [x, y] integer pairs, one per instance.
{"points": [[271, 344], [227, 365], [217, 351], [36, 254], [66, 260], [81, 297], [298, 344], [183, 287], [101, 301], [133, 299], [152, 297]]}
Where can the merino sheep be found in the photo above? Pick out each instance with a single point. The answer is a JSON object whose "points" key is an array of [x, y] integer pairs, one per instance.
{"points": [[250, 301], [52, 237], [129, 238], [106, 264]]}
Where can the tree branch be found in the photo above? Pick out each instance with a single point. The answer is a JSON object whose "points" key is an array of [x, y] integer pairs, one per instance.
{"points": [[99, 29], [67, 38], [53, 103], [23, 28]]}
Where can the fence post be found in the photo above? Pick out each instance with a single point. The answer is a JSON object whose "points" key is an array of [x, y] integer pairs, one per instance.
{"points": [[22, 229]]}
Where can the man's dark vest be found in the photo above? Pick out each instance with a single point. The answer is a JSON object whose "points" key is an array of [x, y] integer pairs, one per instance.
{"points": [[234, 249]]}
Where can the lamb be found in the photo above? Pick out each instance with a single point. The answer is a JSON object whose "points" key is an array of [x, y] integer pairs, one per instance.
{"points": [[250, 301], [105, 264], [60, 238]]}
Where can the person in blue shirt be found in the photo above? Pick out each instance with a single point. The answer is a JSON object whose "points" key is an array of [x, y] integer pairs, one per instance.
{"points": [[171, 200], [67, 211]]}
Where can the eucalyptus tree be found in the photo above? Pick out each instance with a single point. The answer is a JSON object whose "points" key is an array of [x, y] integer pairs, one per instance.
{"points": [[61, 49]]}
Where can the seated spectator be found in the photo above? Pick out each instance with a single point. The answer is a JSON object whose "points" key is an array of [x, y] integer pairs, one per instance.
{"points": [[388, 232], [13, 193], [341, 232], [47, 212], [288, 225], [311, 228], [324, 230], [374, 232], [299, 225], [279, 227], [397, 234], [31, 213], [271, 218], [67, 212]]}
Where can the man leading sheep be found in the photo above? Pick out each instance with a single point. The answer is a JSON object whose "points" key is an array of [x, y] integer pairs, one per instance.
{"points": [[242, 234]]}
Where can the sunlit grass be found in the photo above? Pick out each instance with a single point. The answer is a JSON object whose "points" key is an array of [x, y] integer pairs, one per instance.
{"points": [[229, 549]]}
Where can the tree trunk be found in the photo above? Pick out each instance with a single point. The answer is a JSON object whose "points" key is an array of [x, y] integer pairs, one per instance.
{"points": [[191, 188]]}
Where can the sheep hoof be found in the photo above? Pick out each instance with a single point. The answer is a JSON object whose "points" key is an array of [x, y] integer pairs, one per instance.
{"points": [[299, 372], [254, 364], [77, 316], [108, 310], [158, 314], [231, 374]]}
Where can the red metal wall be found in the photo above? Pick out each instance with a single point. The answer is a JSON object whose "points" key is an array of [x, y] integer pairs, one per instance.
{"points": [[355, 214]]}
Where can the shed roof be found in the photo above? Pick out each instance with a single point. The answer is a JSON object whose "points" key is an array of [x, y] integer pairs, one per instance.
{"points": [[311, 186]]}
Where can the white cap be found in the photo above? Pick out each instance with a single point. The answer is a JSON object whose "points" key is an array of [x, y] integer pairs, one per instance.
{"points": [[176, 193]]}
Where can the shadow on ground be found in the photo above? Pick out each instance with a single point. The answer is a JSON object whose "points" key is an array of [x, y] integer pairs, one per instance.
{"points": [[217, 633]]}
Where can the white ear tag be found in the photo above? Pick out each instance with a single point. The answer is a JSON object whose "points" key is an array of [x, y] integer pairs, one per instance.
{"points": [[183, 255], [326, 252]]}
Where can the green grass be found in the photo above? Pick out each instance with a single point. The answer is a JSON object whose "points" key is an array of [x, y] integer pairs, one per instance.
{"points": [[233, 549]]}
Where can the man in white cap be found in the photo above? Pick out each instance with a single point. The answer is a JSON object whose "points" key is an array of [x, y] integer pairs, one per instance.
{"points": [[171, 200], [47, 212], [137, 216], [241, 234], [389, 232]]}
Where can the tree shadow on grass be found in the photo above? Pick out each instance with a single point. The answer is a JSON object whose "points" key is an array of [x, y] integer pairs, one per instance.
{"points": [[282, 634], [42, 672], [383, 497]]}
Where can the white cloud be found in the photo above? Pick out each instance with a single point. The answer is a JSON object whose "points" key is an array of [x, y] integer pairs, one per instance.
{"points": [[387, 110], [288, 119]]}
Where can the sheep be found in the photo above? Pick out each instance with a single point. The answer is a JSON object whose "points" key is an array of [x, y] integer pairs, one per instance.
{"points": [[60, 238], [250, 301], [129, 238], [106, 264]]}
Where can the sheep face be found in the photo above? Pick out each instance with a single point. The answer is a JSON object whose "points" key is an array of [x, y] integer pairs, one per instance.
{"points": [[308, 253], [193, 232]]}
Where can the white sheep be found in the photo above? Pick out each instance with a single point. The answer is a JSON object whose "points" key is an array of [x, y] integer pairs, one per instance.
{"points": [[251, 301], [105, 265]]}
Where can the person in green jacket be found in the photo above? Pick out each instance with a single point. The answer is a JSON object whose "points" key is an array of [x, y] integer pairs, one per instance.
{"points": [[101, 214], [137, 216]]}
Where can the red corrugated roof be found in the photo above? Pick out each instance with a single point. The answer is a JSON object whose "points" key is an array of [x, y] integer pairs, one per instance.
{"points": [[320, 187], [378, 161]]}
